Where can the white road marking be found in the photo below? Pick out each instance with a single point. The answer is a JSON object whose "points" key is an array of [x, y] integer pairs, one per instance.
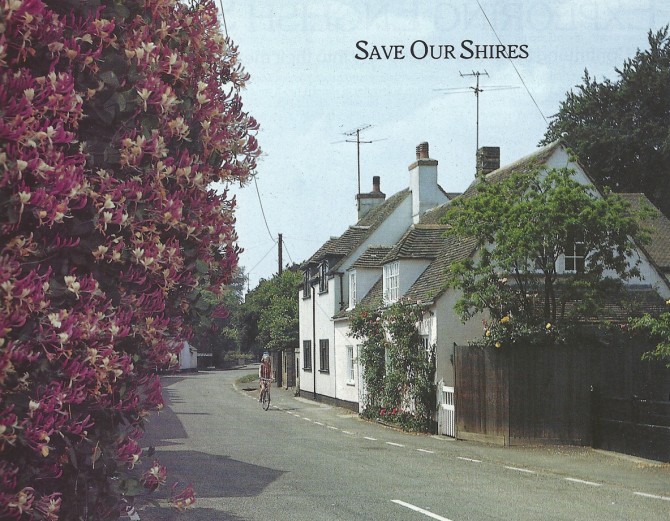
{"points": [[584, 482], [333, 428], [420, 510], [347, 432], [394, 444], [652, 496], [426, 451], [469, 459], [318, 423], [306, 418], [521, 470], [369, 438]]}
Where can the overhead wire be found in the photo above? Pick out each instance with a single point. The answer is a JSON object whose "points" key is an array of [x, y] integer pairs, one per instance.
{"points": [[513, 65]]}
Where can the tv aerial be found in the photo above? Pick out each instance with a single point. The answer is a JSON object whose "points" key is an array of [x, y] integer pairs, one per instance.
{"points": [[477, 90], [356, 132]]}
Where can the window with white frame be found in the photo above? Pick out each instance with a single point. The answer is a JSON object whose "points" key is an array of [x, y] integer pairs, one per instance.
{"points": [[324, 355], [323, 277], [350, 364], [575, 253], [306, 287], [307, 355], [352, 290], [391, 282]]}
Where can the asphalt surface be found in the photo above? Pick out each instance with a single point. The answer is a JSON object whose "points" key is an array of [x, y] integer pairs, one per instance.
{"points": [[303, 460]]}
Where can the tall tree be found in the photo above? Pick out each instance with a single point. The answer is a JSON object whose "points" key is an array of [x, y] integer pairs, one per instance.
{"points": [[522, 225], [620, 129], [268, 318], [116, 116]]}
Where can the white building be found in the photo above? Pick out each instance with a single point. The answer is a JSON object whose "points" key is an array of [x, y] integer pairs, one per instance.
{"points": [[398, 250]]}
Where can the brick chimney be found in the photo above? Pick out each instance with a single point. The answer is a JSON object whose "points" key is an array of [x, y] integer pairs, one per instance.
{"points": [[426, 193], [367, 202], [488, 160]]}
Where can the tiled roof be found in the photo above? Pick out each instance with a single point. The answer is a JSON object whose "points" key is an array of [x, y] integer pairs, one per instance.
{"points": [[355, 235], [658, 227], [372, 258], [421, 241], [432, 282]]}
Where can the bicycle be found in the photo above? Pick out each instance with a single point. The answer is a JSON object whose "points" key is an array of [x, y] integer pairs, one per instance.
{"points": [[265, 393]]}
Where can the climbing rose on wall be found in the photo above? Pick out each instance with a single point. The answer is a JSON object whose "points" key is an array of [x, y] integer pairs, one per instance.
{"points": [[116, 118]]}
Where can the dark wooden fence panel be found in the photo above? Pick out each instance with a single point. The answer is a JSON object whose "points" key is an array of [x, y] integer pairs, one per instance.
{"points": [[549, 395], [481, 388], [600, 395]]}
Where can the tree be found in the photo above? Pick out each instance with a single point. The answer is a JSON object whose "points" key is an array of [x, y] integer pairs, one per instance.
{"points": [[619, 129], [269, 315], [521, 226], [116, 117], [657, 328]]}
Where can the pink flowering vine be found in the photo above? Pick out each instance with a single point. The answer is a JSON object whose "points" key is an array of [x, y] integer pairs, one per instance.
{"points": [[117, 116]]}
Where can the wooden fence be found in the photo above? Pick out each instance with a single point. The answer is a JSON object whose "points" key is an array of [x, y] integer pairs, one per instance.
{"points": [[604, 396]]}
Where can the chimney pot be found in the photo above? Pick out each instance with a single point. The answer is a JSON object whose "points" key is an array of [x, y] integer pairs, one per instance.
{"points": [[422, 150], [376, 186]]}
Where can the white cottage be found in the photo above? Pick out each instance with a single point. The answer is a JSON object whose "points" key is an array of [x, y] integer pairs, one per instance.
{"points": [[334, 282]]}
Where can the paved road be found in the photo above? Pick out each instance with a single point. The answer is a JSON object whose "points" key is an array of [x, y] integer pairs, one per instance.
{"points": [[302, 461]]}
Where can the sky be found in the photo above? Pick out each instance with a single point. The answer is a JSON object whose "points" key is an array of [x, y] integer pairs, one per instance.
{"points": [[312, 83]]}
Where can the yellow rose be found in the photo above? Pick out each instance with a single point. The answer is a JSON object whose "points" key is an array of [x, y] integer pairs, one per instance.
{"points": [[504, 319], [498, 344], [488, 332], [548, 326]]}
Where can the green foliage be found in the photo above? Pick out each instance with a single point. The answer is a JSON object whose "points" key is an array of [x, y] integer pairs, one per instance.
{"points": [[523, 225], [397, 370], [268, 318], [658, 330], [619, 129]]}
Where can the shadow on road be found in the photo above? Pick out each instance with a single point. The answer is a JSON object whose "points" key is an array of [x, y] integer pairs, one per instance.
{"points": [[216, 476], [195, 514]]}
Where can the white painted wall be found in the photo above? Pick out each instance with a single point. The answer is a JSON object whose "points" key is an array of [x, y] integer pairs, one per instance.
{"points": [[188, 357]]}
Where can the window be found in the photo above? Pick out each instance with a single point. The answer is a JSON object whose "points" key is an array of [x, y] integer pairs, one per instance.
{"points": [[391, 282], [425, 343], [306, 286], [323, 355], [323, 277], [352, 290], [350, 364], [307, 355], [575, 253]]}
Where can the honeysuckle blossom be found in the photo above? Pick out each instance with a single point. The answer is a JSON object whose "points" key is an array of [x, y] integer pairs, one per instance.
{"points": [[106, 210]]}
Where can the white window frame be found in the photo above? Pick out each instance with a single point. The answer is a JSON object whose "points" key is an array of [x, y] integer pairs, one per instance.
{"points": [[352, 290], [351, 377], [323, 277], [574, 256], [324, 355], [391, 282]]}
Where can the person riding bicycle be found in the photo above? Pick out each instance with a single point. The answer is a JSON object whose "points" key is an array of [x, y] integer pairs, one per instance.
{"points": [[264, 372]]}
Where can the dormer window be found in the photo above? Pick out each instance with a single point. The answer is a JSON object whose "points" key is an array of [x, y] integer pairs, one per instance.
{"points": [[352, 290], [391, 282], [323, 277]]}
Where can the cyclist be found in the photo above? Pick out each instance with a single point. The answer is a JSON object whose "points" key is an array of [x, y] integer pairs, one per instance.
{"points": [[264, 373]]}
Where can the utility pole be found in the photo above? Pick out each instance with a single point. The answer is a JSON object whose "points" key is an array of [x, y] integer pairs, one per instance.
{"points": [[280, 253]]}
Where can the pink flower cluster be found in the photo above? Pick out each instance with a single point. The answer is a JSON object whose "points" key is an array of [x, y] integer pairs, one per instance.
{"points": [[117, 118]]}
